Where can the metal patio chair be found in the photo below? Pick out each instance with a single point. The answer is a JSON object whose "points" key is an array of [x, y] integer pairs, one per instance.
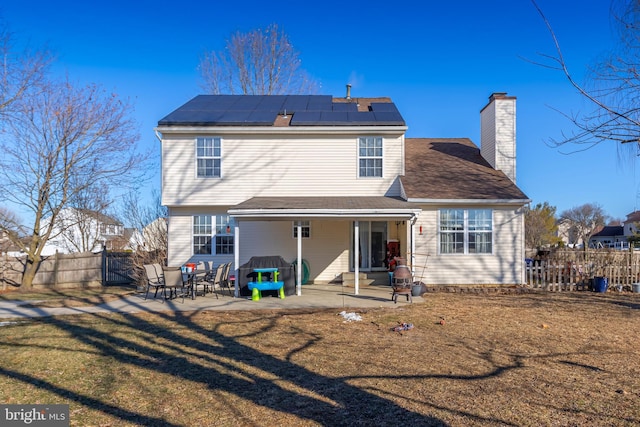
{"points": [[155, 278]]}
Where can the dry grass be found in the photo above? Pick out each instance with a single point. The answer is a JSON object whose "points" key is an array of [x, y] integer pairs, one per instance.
{"points": [[524, 360], [53, 298]]}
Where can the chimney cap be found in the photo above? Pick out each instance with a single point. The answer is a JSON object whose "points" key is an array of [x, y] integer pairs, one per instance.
{"points": [[500, 95]]}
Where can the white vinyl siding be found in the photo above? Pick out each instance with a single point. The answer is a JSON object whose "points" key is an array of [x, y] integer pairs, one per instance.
{"points": [[283, 166], [504, 266], [326, 252]]}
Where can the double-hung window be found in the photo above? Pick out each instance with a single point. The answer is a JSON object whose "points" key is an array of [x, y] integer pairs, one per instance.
{"points": [[213, 235], [370, 156], [208, 157], [305, 227], [466, 231]]}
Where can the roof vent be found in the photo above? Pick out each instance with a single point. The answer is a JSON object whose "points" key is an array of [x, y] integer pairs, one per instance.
{"points": [[348, 91]]}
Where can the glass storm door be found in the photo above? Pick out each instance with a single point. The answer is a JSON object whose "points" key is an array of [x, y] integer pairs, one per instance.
{"points": [[373, 237]]}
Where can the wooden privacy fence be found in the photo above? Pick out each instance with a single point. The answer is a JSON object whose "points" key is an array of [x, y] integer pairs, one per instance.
{"points": [[77, 270], [576, 269]]}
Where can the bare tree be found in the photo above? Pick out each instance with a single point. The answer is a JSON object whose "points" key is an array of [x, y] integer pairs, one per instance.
{"points": [[612, 88], [584, 220], [541, 228], [59, 142], [11, 230], [20, 70], [150, 236], [260, 62]]}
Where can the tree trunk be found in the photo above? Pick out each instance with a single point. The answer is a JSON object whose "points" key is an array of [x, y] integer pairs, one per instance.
{"points": [[30, 270]]}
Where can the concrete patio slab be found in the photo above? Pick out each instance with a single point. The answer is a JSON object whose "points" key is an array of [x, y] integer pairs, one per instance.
{"points": [[313, 296]]}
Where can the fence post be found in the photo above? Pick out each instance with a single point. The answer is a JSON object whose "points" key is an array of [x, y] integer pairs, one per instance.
{"points": [[56, 261], [104, 265]]}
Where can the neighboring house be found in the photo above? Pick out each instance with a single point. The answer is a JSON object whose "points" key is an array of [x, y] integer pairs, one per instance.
{"points": [[631, 224], [334, 180], [153, 236], [616, 236], [84, 230], [568, 233], [609, 236]]}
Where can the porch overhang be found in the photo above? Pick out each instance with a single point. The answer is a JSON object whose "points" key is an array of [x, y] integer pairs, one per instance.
{"points": [[345, 208]]}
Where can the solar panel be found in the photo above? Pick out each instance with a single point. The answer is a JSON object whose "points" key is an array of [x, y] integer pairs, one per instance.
{"points": [[246, 103], [389, 118], [319, 103], [362, 117], [271, 103], [233, 117], [345, 106], [261, 110], [334, 117], [389, 107], [295, 103], [262, 117], [305, 118]]}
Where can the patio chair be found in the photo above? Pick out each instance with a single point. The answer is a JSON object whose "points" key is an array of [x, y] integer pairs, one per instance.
{"points": [[155, 278], [204, 278], [224, 282], [174, 283], [215, 278]]}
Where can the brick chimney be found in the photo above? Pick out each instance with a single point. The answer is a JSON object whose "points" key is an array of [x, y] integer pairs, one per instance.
{"points": [[498, 133]]}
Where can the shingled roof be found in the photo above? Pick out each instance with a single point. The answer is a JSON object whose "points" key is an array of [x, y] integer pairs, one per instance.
{"points": [[452, 168]]}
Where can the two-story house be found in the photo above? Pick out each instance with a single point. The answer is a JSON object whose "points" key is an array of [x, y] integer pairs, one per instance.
{"points": [[83, 230], [335, 181]]}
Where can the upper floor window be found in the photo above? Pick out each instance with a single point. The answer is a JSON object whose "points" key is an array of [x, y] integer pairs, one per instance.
{"points": [[208, 157], [370, 156], [213, 235], [111, 229], [465, 231], [305, 227]]}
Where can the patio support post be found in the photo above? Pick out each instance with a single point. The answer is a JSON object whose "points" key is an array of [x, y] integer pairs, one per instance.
{"points": [[413, 246], [356, 258], [236, 258], [299, 267]]}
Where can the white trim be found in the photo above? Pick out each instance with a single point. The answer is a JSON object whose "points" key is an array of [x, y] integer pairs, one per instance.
{"points": [[323, 213], [280, 130]]}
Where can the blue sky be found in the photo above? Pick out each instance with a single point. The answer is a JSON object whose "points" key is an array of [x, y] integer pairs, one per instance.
{"points": [[438, 61]]}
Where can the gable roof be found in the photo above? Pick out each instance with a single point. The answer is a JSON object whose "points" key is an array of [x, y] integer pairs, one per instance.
{"points": [[302, 110], [453, 168], [610, 231]]}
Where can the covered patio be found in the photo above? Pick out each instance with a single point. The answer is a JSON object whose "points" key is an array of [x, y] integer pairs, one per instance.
{"points": [[345, 209]]}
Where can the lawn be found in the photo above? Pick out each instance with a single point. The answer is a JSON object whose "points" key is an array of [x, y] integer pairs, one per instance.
{"points": [[486, 360]]}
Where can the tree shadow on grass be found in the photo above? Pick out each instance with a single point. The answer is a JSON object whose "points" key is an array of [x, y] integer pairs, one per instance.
{"points": [[233, 369]]}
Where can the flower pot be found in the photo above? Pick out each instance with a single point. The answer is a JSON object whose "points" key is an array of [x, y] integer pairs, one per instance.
{"points": [[416, 290], [600, 284]]}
